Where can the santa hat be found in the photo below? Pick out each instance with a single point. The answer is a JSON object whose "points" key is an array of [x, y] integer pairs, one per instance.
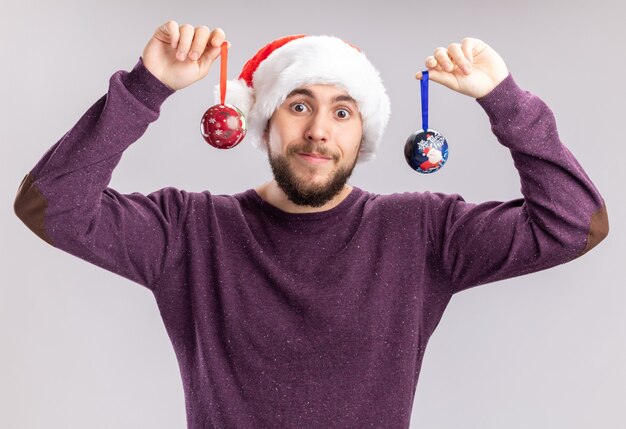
{"points": [[290, 62]]}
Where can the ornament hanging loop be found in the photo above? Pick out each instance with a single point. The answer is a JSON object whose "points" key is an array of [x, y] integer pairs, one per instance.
{"points": [[223, 71], [424, 93]]}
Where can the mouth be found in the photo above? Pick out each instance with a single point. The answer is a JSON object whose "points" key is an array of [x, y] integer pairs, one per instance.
{"points": [[314, 157]]}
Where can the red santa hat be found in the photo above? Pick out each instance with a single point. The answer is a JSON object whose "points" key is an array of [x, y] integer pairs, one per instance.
{"points": [[292, 61]]}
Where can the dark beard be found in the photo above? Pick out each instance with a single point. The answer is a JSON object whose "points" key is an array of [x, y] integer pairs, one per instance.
{"points": [[294, 187]]}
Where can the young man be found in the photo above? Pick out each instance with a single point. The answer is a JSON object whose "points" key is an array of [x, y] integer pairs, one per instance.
{"points": [[307, 302]]}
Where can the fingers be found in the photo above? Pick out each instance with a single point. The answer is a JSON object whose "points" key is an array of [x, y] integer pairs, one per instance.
{"points": [[467, 45], [454, 58], [432, 63], [168, 33], [457, 56], [214, 47], [217, 37], [184, 43], [443, 59], [191, 43], [455, 51], [206, 42], [200, 40]]}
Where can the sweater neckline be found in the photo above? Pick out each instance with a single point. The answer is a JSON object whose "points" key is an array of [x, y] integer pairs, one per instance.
{"points": [[340, 208]]}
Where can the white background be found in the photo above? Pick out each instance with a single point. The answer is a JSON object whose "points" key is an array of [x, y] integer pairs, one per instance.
{"points": [[85, 348]]}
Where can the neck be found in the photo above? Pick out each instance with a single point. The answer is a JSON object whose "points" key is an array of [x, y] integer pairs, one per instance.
{"points": [[271, 193]]}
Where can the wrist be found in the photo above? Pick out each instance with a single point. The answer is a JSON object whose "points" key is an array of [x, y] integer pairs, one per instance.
{"points": [[146, 87]]}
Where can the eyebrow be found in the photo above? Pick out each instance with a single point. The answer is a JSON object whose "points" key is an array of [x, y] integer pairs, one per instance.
{"points": [[308, 93]]}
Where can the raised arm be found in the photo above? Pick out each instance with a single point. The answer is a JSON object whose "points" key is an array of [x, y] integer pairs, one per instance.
{"points": [[65, 198], [560, 217]]}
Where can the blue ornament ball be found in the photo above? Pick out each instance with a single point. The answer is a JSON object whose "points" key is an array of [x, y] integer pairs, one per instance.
{"points": [[426, 151]]}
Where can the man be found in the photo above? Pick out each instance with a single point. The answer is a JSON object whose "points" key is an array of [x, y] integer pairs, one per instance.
{"points": [[307, 302]]}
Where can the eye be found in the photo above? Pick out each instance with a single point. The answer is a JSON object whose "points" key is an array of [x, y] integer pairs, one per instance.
{"points": [[294, 105], [347, 115]]}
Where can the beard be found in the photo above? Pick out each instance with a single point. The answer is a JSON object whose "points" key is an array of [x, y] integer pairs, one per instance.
{"points": [[303, 192]]}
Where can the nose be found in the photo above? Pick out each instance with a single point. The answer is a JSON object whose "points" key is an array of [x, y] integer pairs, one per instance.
{"points": [[318, 127]]}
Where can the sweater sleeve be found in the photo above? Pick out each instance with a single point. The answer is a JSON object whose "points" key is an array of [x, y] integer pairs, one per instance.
{"points": [[560, 217], [65, 198]]}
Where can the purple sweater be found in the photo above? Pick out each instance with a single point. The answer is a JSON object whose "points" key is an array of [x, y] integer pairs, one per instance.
{"points": [[315, 320]]}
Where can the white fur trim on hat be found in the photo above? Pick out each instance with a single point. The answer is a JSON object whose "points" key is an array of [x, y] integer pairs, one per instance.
{"points": [[312, 60]]}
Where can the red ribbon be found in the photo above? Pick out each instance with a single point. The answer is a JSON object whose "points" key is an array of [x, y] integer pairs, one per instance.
{"points": [[223, 61]]}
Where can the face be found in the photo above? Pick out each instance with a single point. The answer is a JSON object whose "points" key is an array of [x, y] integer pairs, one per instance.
{"points": [[313, 140]]}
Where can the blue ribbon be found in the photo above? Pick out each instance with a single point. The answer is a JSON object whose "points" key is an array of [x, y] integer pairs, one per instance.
{"points": [[424, 93]]}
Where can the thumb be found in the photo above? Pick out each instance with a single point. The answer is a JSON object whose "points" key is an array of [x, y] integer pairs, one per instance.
{"points": [[441, 77]]}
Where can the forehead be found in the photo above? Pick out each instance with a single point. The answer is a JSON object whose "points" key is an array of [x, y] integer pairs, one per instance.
{"points": [[322, 92]]}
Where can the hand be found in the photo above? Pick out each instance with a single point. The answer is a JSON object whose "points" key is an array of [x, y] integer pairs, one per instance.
{"points": [[181, 55], [471, 67]]}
